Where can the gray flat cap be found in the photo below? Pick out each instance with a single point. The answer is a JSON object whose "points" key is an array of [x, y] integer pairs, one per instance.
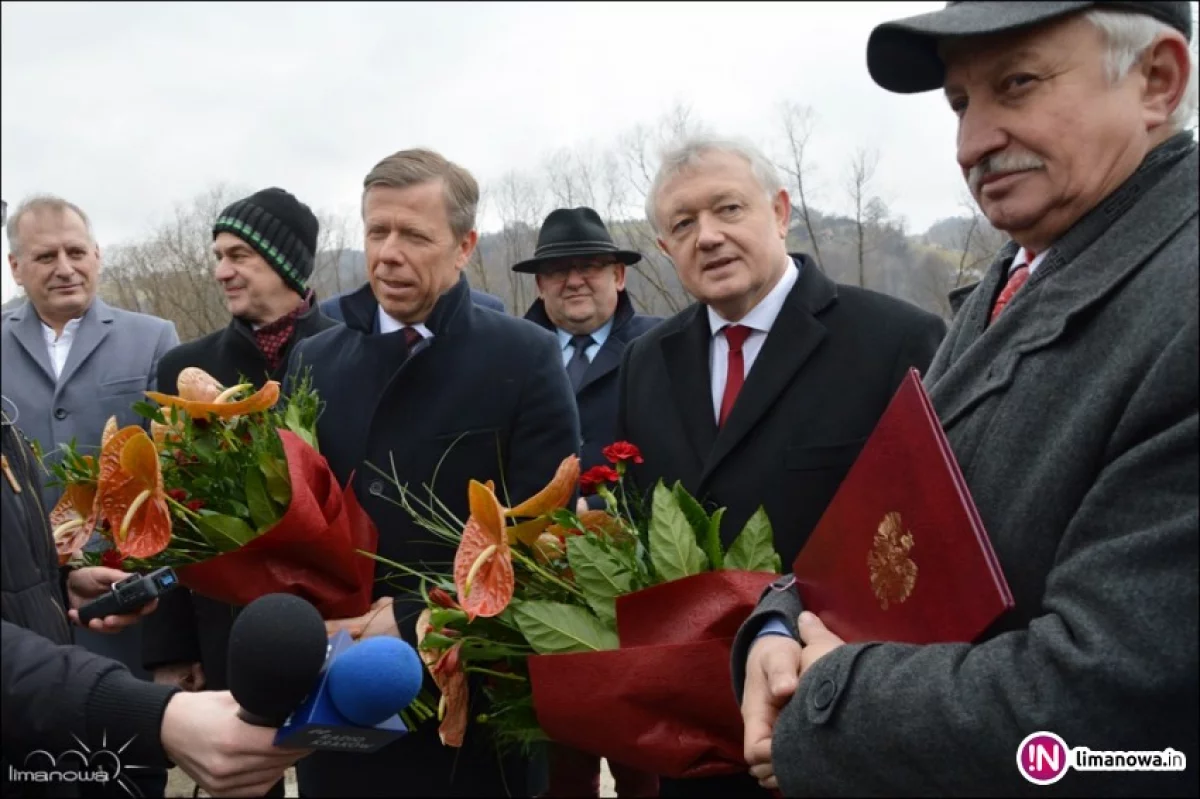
{"points": [[902, 55]]}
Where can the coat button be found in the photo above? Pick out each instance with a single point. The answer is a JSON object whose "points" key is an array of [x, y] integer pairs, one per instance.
{"points": [[60, 413], [376, 488], [824, 695]]}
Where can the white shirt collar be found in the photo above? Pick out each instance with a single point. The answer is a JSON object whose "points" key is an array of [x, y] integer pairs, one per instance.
{"points": [[68, 330], [1022, 258], [763, 315], [389, 325]]}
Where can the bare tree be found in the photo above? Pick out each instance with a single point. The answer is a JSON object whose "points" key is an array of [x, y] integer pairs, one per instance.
{"points": [[980, 243], [797, 122], [862, 173], [519, 202], [337, 244]]}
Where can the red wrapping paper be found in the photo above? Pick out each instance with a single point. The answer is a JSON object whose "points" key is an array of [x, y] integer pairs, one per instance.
{"points": [[310, 552], [664, 701]]}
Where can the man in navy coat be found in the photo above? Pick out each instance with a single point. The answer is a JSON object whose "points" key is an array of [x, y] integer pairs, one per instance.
{"points": [[422, 381], [582, 300]]}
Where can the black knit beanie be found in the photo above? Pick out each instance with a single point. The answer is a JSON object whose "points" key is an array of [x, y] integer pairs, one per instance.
{"points": [[281, 228]]}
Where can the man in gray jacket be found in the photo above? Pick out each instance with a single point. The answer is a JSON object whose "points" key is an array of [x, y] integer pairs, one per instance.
{"points": [[1068, 390]]}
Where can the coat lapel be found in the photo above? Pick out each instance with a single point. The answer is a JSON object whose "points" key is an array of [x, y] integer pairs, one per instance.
{"points": [[686, 355], [607, 359], [27, 327], [793, 338], [93, 329]]}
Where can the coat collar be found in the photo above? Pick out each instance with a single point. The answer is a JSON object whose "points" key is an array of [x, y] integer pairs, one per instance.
{"points": [[93, 329], [1085, 266], [450, 312], [793, 338]]}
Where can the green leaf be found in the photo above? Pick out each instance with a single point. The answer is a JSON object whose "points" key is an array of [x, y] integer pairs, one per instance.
{"points": [[600, 575], [262, 510], [279, 484], [754, 548], [674, 552], [554, 628], [713, 540], [225, 533], [692, 511]]}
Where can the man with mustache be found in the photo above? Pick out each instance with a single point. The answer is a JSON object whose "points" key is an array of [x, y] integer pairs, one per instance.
{"points": [[264, 248], [71, 361], [1068, 390], [428, 390], [764, 391]]}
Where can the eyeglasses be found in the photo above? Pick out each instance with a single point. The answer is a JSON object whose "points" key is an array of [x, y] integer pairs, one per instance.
{"points": [[586, 268]]}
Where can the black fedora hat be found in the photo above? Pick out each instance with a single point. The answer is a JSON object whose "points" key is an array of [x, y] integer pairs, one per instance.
{"points": [[572, 233]]}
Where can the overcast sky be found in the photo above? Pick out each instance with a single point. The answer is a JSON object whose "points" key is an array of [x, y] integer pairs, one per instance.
{"points": [[127, 109]]}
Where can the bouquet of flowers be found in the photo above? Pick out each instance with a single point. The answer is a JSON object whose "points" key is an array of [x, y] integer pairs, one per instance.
{"points": [[229, 490], [608, 631]]}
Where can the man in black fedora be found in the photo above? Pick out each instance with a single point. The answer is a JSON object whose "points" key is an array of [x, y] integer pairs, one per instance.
{"points": [[580, 276]]}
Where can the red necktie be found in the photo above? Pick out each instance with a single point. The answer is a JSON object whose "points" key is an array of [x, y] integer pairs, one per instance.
{"points": [[412, 336], [735, 375], [1016, 279]]}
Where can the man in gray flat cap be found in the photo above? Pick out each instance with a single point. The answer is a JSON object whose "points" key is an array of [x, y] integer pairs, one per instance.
{"points": [[1068, 390]]}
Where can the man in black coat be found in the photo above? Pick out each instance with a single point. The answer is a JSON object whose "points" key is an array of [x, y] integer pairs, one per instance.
{"points": [[264, 245], [423, 381], [764, 391], [582, 300]]}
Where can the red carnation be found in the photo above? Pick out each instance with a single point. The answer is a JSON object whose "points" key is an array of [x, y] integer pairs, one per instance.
{"points": [[195, 505], [177, 494], [596, 476], [622, 451], [112, 559]]}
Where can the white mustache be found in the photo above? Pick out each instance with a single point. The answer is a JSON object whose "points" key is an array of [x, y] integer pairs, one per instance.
{"points": [[1002, 162]]}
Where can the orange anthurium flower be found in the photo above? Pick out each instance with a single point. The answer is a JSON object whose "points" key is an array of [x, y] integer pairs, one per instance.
{"points": [[131, 495], [264, 398], [73, 518], [554, 495], [451, 680], [483, 570]]}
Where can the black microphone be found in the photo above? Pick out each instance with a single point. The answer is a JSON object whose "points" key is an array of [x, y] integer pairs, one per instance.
{"points": [[277, 648]]}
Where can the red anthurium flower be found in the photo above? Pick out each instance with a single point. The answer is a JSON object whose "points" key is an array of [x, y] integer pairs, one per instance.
{"points": [[596, 476], [622, 451]]}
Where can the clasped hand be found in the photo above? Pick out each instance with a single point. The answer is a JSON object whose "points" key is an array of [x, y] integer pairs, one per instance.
{"points": [[773, 671]]}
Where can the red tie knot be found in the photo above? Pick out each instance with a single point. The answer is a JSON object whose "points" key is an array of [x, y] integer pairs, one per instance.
{"points": [[736, 335]]}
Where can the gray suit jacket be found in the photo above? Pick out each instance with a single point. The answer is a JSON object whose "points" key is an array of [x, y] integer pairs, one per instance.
{"points": [[1074, 420], [113, 361]]}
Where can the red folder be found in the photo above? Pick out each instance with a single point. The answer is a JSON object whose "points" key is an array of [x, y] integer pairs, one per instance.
{"points": [[900, 553]]}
